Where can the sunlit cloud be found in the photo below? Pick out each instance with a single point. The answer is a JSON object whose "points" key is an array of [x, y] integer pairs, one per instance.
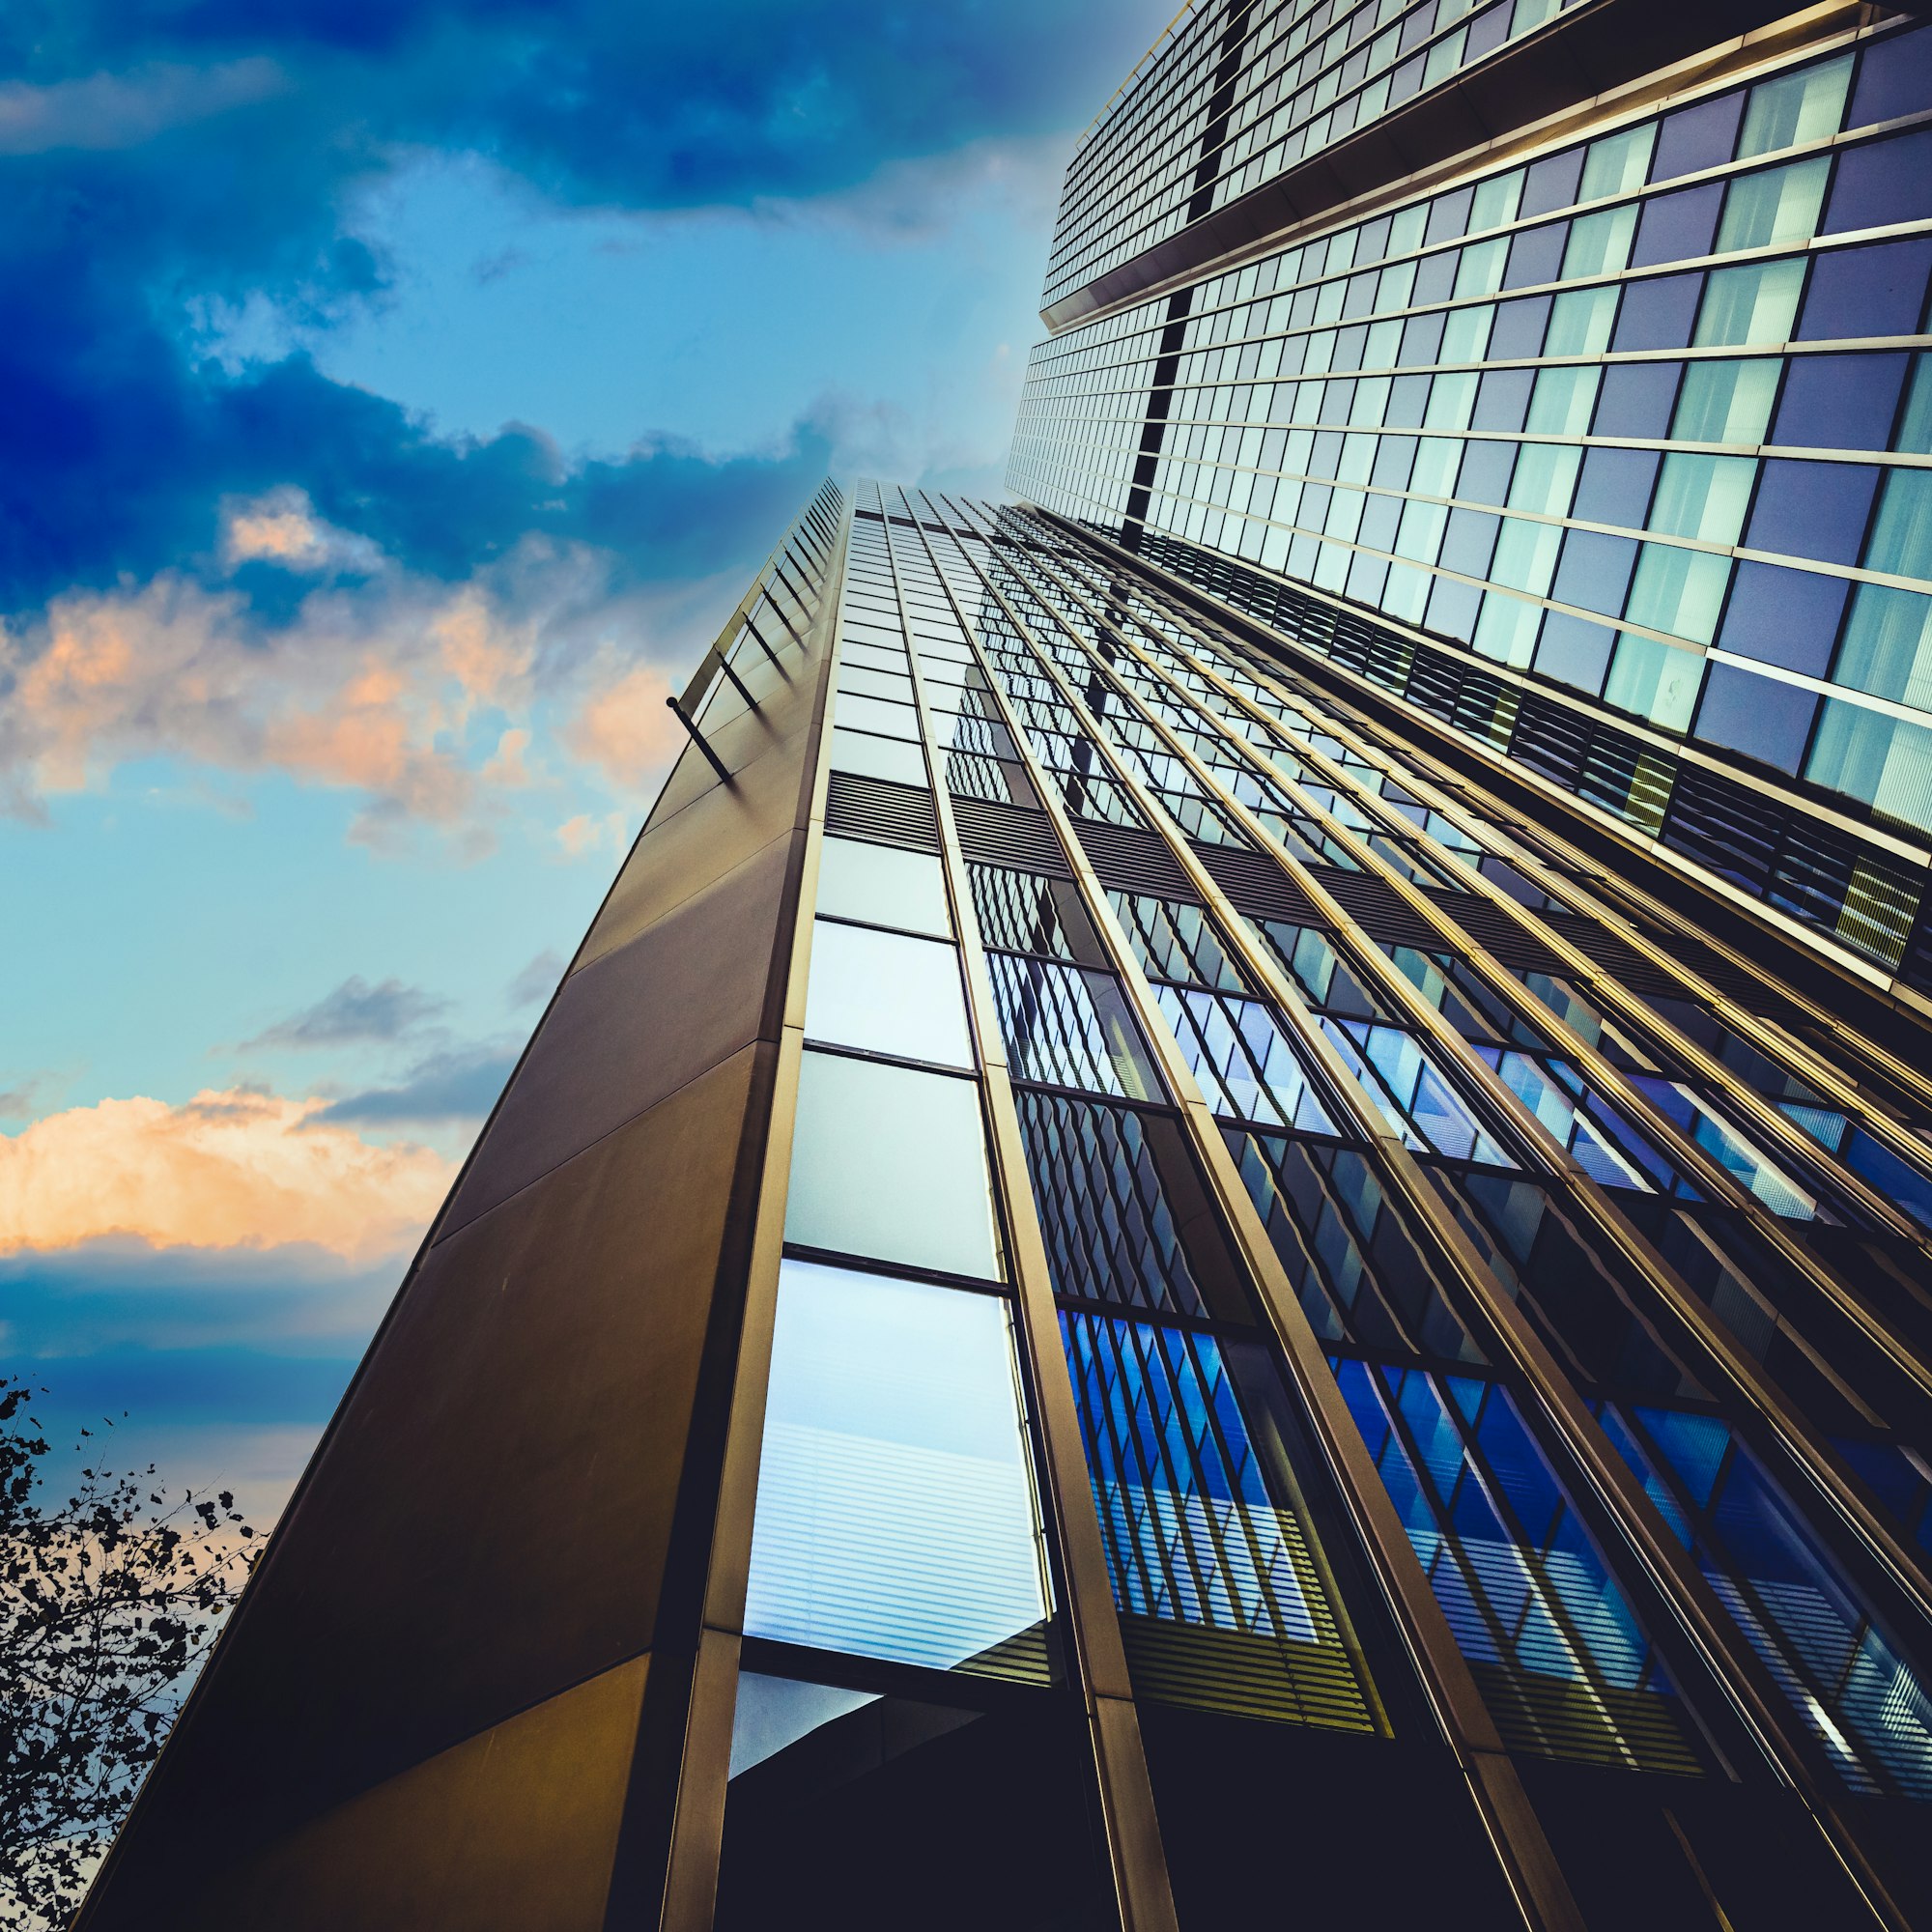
{"points": [[624, 725], [583, 836], [282, 528], [396, 690], [225, 1170]]}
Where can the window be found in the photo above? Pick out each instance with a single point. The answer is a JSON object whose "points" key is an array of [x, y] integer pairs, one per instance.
{"points": [[1883, 761], [873, 758], [1901, 539], [1726, 402], [1787, 617], [892, 1441], [1679, 590], [888, 994], [1750, 306], [1796, 108], [1888, 646], [890, 1162], [1655, 680], [1703, 497], [883, 885], [1775, 207], [1813, 509], [1839, 402]]}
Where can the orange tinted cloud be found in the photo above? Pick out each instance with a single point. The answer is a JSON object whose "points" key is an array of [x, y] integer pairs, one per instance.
{"points": [[626, 728], [226, 1169]]}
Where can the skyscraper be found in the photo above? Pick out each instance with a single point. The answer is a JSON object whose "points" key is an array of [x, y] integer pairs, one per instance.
{"points": [[1231, 1216]]}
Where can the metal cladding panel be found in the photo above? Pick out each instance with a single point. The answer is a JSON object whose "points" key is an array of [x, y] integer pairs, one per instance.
{"points": [[493, 1519]]}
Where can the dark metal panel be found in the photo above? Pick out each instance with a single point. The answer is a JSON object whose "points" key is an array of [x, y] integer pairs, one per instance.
{"points": [[509, 1830], [488, 1519], [634, 1026]]}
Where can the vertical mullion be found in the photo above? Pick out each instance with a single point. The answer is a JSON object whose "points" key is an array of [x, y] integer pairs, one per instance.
{"points": [[690, 1878], [1669, 1573], [1132, 1831], [1524, 1851], [1818, 1463]]}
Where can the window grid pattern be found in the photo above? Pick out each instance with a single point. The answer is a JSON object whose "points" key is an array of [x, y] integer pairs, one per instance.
{"points": [[1643, 422]]}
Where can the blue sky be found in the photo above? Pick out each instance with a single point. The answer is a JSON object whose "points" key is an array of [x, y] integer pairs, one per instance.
{"points": [[399, 393]]}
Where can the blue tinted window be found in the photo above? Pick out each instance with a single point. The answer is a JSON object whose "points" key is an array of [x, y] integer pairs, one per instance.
{"points": [[1486, 472], [1551, 182], [1536, 255], [1812, 509], [1466, 545], [1615, 485], [1594, 571], [1882, 183], [1787, 617], [1758, 715], [1894, 78], [1678, 227], [1659, 314], [1865, 291], [1434, 278], [1517, 329], [1449, 216], [1503, 399], [1839, 402], [1635, 399], [1697, 138], [1573, 651]]}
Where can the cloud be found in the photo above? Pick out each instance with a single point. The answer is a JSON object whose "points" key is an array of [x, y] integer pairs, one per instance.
{"points": [[355, 1010], [456, 1084], [123, 110], [281, 528], [537, 981], [624, 725], [117, 1292], [234, 1169], [583, 835], [373, 688]]}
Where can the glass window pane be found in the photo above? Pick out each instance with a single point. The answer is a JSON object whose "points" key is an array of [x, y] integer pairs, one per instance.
{"points": [[890, 1163], [883, 885], [1702, 497], [1796, 108], [1750, 305], [1655, 680], [877, 758], [888, 994], [1775, 207], [893, 1444], [872, 714]]}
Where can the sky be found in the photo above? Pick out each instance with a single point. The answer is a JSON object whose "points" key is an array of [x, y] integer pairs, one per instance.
{"points": [[399, 395]]}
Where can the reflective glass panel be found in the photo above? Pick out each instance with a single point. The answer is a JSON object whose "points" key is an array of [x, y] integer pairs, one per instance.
{"points": [[894, 1515], [890, 1163], [887, 993]]}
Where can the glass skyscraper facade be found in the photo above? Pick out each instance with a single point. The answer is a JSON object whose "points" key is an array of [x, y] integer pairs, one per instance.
{"points": [[1231, 1216]]}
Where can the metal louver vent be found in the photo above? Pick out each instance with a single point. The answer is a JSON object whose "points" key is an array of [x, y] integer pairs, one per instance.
{"points": [[1127, 860], [1497, 933], [1377, 907], [1008, 834], [893, 814], [1257, 885]]}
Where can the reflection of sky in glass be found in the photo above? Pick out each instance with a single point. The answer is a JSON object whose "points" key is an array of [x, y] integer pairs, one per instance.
{"points": [[895, 1512], [1192, 1534]]}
